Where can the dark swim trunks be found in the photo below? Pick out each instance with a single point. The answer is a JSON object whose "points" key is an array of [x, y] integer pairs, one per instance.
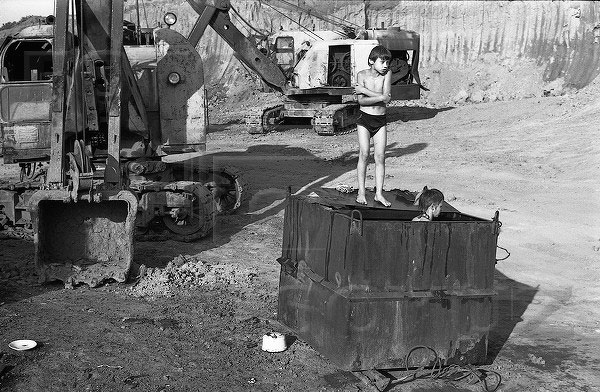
{"points": [[373, 122]]}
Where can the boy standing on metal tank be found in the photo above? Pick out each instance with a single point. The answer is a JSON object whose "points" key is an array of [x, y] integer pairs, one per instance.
{"points": [[373, 90]]}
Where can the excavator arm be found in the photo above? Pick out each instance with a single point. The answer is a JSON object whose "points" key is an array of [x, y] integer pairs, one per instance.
{"points": [[122, 129], [215, 13]]}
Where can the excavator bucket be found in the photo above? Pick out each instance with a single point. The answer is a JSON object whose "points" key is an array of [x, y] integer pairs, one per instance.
{"points": [[89, 241]]}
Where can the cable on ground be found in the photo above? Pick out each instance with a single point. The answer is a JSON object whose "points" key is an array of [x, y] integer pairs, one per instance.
{"points": [[488, 379]]}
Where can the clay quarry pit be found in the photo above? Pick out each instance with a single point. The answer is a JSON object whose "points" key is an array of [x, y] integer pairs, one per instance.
{"points": [[510, 125]]}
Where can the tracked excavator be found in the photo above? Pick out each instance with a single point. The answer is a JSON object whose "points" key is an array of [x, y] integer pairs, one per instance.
{"points": [[314, 70]]}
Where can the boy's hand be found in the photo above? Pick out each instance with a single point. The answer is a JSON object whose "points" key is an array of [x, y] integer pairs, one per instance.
{"points": [[386, 98], [359, 90]]}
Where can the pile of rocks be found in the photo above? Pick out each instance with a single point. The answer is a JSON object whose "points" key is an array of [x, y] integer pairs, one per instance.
{"points": [[185, 272]]}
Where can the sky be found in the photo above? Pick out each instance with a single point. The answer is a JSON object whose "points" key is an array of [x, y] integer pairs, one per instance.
{"points": [[13, 10]]}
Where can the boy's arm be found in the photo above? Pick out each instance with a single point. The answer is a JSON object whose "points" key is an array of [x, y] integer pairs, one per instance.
{"points": [[387, 87], [368, 101], [368, 97], [365, 91], [360, 86]]}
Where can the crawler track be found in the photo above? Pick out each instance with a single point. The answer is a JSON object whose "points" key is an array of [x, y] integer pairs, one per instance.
{"points": [[264, 120], [338, 119]]}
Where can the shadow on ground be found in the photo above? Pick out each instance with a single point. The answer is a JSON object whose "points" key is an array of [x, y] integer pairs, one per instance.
{"points": [[413, 113], [392, 151], [18, 278], [507, 310], [512, 300], [270, 171]]}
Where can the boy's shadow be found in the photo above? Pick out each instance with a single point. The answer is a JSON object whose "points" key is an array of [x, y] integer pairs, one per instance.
{"points": [[392, 150], [412, 113]]}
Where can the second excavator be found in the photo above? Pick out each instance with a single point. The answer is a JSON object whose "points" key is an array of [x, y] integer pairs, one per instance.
{"points": [[314, 70]]}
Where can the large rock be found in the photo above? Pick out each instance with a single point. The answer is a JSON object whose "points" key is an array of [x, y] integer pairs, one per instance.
{"points": [[461, 97]]}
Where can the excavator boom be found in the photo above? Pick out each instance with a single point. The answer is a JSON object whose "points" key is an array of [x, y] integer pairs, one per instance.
{"points": [[84, 221], [215, 13]]}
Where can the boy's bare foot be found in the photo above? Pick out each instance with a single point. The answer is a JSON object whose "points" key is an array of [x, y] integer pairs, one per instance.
{"points": [[361, 199], [382, 200]]}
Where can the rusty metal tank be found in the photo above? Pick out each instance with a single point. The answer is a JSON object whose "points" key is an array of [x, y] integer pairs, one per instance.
{"points": [[365, 285]]}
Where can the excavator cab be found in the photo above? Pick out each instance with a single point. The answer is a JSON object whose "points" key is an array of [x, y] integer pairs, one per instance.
{"points": [[26, 95]]}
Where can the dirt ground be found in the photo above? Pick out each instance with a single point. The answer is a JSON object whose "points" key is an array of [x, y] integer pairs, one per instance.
{"points": [[195, 321]]}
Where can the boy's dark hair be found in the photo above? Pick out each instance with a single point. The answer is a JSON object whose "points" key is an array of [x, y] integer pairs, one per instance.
{"points": [[380, 52], [429, 197]]}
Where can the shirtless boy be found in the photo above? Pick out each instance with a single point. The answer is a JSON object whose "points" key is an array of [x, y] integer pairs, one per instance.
{"points": [[373, 90]]}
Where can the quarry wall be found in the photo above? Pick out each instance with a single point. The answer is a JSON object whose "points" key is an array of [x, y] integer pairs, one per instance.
{"points": [[478, 50]]}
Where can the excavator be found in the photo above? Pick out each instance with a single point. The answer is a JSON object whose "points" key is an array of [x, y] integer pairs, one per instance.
{"points": [[109, 128], [102, 141], [316, 70]]}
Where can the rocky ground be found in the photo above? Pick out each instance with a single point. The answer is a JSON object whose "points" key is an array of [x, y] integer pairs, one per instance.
{"points": [[195, 320]]}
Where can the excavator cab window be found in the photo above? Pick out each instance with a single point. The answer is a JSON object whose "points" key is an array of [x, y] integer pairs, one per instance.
{"points": [[25, 83], [284, 53], [27, 60], [146, 36], [339, 71], [134, 36], [129, 33]]}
